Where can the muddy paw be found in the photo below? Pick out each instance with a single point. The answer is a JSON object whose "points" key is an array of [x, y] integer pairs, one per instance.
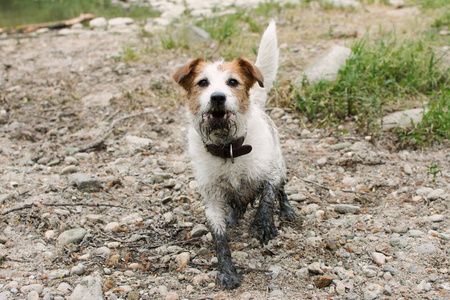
{"points": [[228, 279], [288, 214], [264, 231]]}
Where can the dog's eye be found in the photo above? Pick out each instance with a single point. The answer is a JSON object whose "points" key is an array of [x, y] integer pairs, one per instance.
{"points": [[203, 83], [233, 83]]}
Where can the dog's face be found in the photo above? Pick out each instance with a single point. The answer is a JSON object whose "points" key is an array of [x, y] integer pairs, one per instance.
{"points": [[218, 96]]}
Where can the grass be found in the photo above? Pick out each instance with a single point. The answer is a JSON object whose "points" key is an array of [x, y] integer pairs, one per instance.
{"points": [[380, 74]]}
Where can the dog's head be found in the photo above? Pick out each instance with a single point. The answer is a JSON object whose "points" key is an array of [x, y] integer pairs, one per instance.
{"points": [[218, 96]]}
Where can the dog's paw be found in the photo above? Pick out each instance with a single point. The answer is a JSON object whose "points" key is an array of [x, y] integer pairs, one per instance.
{"points": [[228, 279], [288, 214], [264, 231]]}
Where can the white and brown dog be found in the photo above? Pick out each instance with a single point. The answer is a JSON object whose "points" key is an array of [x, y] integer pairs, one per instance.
{"points": [[234, 145]]}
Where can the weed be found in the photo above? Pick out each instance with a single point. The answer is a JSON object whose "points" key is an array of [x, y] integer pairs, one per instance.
{"points": [[376, 75], [434, 170]]}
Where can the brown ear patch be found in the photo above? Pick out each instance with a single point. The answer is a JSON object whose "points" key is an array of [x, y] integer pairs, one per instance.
{"points": [[251, 73], [185, 75]]}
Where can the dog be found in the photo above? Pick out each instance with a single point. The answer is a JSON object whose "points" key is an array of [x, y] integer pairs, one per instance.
{"points": [[234, 146]]}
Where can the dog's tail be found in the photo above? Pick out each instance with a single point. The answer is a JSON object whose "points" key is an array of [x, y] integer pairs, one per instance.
{"points": [[267, 61]]}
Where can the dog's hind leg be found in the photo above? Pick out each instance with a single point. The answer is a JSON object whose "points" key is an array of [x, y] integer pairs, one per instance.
{"points": [[286, 211], [227, 276], [264, 226], [235, 213]]}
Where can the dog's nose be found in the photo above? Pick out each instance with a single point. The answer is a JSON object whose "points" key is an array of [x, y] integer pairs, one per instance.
{"points": [[218, 98]]}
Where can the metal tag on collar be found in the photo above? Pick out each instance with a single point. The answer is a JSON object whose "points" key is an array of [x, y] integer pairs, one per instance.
{"points": [[231, 153]]}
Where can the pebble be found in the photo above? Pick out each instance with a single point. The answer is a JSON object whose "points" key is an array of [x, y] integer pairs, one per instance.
{"points": [[277, 294], [172, 296], [324, 281], [131, 219], [351, 296], [79, 269], [33, 295], [64, 288], [321, 161], [58, 274], [276, 113], [398, 242], [305, 133], [85, 182], [110, 226], [315, 268], [340, 288], [179, 167], [347, 209], [370, 295], [200, 279], [435, 194], [424, 191], [407, 169], [70, 160], [89, 288], [69, 170], [379, 258], [162, 289], [341, 146], [402, 228], [199, 230], [370, 271], [302, 273], [71, 236], [297, 197], [100, 23], [32, 287], [275, 271], [309, 209], [436, 218], [314, 241], [415, 233], [182, 259], [239, 255], [426, 248]]}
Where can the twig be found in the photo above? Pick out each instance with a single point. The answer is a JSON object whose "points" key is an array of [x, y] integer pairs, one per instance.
{"points": [[100, 139], [26, 206], [330, 189]]}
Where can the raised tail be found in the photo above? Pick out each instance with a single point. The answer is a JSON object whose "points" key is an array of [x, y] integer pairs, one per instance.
{"points": [[267, 60]]}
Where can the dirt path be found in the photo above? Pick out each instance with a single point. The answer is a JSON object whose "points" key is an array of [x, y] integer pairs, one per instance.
{"points": [[130, 220]]}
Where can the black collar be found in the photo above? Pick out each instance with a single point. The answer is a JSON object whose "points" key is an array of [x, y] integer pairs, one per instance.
{"points": [[231, 150]]}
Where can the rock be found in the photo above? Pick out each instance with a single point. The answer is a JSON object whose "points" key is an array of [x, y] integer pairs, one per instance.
{"points": [[370, 295], [58, 274], [131, 219], [305, 133], [402, 118], [133, 295], [315, 268], [415, 233], [326, 66], [341, 146], [379, 258], [314, 241], [79, 269], [199, 230], [64, 288], [402, 228], [275, 271], [309, 209], [340, 288], [297, 197], [276, 294], [191, 35], [424, 191], [85, 183], [172, 296], [90, 288], [110, 226], [100, 23], [136, 143], [182, 259], [370, 271], [179, 167], [323, 281], [33, 295], [351, 296], [32, 287], [321, 161], [435, 194], [72, 236], [200, 279], [101, 99], [344, 3], [70, 160], [302, 273], [118, 22], [276, 113], [239, 255], [69, 170], [426, 248], [436, 218], [347, 209], [3, 239], [407, 169]]}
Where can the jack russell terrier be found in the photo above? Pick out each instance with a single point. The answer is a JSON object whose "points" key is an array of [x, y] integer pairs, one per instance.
{"points": [[234, 146]]}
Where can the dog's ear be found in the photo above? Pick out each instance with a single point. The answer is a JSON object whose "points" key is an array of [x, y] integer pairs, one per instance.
{"points": [[185, 75], [251, 73]]}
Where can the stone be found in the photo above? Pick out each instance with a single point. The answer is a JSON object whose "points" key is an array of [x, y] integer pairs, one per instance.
{"points": [[398, 242], [436, 218], [101, 99], [32, 287], [131, 219], [199, 230], [71, 236], [70, 160], [179, 167], [239, 255], [426, 248], [424, 191], [110, 226], [347, 209], [415, 233], [407, 169], [402, 228], [315, 268], [314, 241], [89, 288], [324, 281], [136, 143], [276, 113], [99, 23], [85, 182], [302, 273], [435, 194], [200, 279], [133, 295], [69, 170], [326, 66], [79, 269], [275, 271], [341, 146], [340, 288], [321, 161], [370, 271], [64, 288], [309, 209], [172, 296], [402, 119], [370, 295], [182, 259], [276, 294], [118, 22], [58, 274], [379, 258], [297, 197], [344, 3], [33, 295]]}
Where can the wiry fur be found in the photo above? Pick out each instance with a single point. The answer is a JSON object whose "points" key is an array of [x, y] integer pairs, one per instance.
{"points": [[228, 187]]}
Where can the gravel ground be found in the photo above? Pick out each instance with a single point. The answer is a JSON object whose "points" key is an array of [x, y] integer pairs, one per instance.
{"points": [[98, 198]]}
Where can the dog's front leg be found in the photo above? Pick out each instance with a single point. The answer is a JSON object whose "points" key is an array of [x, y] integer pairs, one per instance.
{"points": [[264, 226], [227, 276]]}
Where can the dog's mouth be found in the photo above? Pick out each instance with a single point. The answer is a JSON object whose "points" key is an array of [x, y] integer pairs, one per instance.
{"points": [[218, 115]]}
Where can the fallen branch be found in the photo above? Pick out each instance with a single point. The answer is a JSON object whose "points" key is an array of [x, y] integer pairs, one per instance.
{"points": [[50, 25], [100, 139], [59, 204]]}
